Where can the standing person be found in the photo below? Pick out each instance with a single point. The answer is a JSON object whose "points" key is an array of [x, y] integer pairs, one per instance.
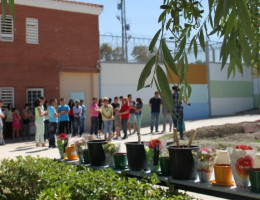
{"points": [[46, 121], [27, 116], [63, 111], [8, 121], [166, 115], [155, 104], [138, 113], [39, 122], [121, 99], [178, 111], [2, 116], [77, 111], [107, 117], [16, 123], [116, 121], [83, 117], [132, 114], [94, 112], [71, 115], [100, 121], [125, 115], [53, 117]]}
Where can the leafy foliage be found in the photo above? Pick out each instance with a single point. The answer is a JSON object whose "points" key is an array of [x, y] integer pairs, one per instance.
{"points": [[141, 53], [236, 21], [46, 179]]}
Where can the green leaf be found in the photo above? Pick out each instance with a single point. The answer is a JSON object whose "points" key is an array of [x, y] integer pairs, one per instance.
{"points": [[181, 67], [164, 84], [219, 12], [210, 2], [168, 57], [154, 40], [11, 6], [165, 7], [230, 22], [245, 49], [4, 3], [195, 48], [237, 57], [161, 17], [146, 73], [201, 39], [243, 16]]}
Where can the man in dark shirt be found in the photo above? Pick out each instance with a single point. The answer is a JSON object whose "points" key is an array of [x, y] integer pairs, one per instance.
{"points": [[155, 104]]}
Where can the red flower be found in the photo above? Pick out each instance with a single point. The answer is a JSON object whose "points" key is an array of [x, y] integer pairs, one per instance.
{"points": [[244, 147], [62, 136], [154, 143]]}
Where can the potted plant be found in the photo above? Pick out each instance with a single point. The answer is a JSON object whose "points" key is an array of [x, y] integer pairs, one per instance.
{"points": [[165, 162], [120, 161], [136, 155], [81, 145], [109, 150], [153, 151], [204, 159], [242, 159], [254, 175], [182, 162], [62, 143], [96, 152]]}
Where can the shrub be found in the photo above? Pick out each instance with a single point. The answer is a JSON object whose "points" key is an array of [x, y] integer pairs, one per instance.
{"points": [[46, 179]]}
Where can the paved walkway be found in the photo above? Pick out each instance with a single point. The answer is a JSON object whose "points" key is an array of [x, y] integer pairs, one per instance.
{"points": [[24, 148]]}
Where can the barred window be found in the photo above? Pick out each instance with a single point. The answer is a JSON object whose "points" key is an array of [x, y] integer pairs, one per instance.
{"points": [[32, 31], [7, 29], [7, 95]]}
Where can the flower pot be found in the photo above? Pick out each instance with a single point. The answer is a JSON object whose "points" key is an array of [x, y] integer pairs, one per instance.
{"points": [[254, 176], [136, 156], [165, 164], [120, 160], [223, 174], [86, 156], [152, 159], [61, 151], [71, 152], [241, 162], [204, 170], [96, 152], [182, 162], [110, 160]]}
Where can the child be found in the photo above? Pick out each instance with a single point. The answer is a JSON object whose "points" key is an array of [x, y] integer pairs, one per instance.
{"points": [[16, 123]]}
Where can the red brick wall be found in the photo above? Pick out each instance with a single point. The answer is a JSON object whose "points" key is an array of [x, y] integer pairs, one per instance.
{"points": [[66, 39]]}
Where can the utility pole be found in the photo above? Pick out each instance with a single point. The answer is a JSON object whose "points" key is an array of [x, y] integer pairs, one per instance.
{"points": [[125, 27]]}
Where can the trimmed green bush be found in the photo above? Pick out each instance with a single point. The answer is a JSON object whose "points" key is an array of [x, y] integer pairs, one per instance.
{"points": [[46, 179]]}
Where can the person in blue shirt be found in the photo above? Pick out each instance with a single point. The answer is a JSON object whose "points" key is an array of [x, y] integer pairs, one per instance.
{"points": [[83, 117], [53, 122], [64, 110]]}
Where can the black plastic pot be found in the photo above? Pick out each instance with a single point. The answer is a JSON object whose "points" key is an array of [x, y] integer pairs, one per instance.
{"points": [[120, 160], [182, 162], [96, 152], [136, 156], [165, 164]]}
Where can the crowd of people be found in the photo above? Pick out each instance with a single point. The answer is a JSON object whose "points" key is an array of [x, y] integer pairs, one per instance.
{"points": [[107, 118]]}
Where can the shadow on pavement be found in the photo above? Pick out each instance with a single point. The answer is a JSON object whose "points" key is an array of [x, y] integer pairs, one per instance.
{"points": [[37, 151], [22, 149]]}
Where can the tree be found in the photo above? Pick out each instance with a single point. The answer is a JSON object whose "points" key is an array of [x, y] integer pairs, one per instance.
{"points": [[117, 54], [235, 21], [141, 53], [106, 52]]}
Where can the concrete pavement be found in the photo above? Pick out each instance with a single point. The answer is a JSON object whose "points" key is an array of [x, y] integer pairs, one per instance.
{"points": [[24, 148]]}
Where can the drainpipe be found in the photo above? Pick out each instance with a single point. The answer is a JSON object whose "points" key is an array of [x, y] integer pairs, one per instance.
{"points": [[208, 70]]}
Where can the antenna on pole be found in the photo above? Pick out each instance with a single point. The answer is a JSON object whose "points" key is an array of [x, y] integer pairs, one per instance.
{"points": [[125, 28]]}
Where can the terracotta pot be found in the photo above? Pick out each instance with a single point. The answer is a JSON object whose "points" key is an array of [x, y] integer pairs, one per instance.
{"points": [[223, 174]]}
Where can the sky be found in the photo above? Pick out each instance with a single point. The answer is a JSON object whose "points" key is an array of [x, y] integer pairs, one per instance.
{"points": [[142, 16]]}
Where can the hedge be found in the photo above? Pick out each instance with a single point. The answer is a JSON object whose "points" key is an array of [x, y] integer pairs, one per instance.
{"points": [[45, 179]]}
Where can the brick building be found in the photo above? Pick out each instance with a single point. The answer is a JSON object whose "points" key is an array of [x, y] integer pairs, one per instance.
{"points": [[51, 49]]}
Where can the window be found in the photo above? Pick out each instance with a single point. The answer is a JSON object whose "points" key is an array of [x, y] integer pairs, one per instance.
{"points": [[33, 94], [32, 31], [7, 95], [7, 29]]}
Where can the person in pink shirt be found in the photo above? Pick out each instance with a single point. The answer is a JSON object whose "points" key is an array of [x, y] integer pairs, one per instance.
{"points": [[16, 123], [94, 111]]}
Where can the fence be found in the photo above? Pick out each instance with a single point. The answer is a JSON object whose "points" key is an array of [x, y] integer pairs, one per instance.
{"points": [[115, 42]]}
